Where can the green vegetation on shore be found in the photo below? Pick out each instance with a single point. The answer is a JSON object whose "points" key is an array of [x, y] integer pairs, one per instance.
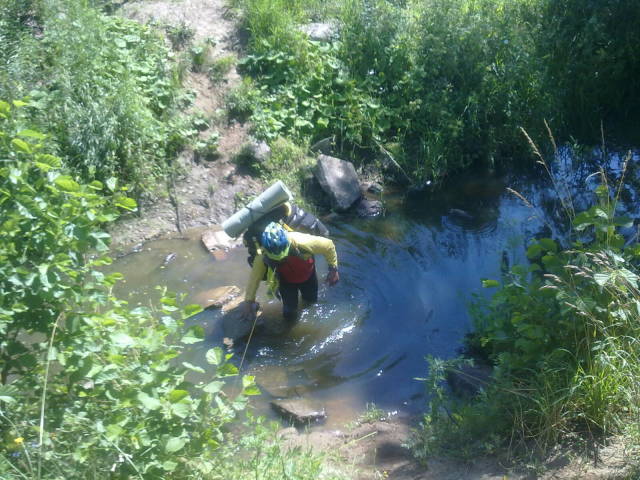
{"points": [[561, 333], [91, 388], [440, 84], [103, 87]]}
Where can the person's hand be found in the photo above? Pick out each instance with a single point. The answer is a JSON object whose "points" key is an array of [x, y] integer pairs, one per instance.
{"points": [[249, 309], [332, 277]]}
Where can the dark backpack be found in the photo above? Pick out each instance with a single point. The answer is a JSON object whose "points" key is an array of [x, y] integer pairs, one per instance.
{"points": [[298, 220]]}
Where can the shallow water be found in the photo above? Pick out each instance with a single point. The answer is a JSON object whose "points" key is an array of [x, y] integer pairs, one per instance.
{"points": [[406, 280]]}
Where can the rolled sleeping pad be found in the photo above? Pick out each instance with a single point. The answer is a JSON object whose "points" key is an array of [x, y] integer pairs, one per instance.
{"points": [[273, 196]]}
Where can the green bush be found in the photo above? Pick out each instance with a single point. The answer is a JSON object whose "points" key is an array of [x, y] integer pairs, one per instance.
{"points": [[101, 85], [451, 82], [562, 333], [90, 388]]}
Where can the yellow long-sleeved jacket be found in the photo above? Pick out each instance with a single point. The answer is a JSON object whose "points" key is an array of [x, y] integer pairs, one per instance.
{"points": [[306, 244]]}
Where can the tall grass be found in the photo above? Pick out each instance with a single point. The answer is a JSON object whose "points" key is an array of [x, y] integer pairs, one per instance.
{"points": [[101, 85], [563, 334]]}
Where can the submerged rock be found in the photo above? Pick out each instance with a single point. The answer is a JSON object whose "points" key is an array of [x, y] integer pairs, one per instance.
{"points": [[299, 410], [235, 325], [369, 208], [339, 180], [169, 258], [216, 239], [217, 297]]}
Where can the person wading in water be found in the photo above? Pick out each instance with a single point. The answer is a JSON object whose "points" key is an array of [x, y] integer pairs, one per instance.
{"points": [[287, 258]]}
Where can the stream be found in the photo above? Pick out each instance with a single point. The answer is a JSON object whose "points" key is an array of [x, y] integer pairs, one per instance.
{"points": [[406, 280]]}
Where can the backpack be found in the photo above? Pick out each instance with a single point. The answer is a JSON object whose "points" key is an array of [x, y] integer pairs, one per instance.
{"points": [[293, 218]]}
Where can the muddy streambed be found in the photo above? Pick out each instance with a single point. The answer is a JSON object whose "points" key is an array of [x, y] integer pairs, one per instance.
{"points": [[406, 280]]}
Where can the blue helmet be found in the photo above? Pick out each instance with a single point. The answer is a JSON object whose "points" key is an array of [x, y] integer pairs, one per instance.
{"points": [[275, 241]]}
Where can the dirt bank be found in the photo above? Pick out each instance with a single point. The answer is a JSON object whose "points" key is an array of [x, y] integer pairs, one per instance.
{"points": [[206, 192]]}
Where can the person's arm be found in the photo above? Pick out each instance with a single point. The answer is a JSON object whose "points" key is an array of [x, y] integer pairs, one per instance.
{"points": [[257, 273], [317, 245], [323, 246]]}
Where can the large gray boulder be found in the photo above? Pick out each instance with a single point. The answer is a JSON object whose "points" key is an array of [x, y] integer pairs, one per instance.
{"points": [[339, 180]]}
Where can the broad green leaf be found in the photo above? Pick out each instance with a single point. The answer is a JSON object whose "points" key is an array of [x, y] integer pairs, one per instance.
{"points": [[489, 283], [174, 444], [177, 395], [150, 403], [8, 393], [192, 367], [20, 103], [182, 408], [214, 356], [548, 244], [602, 278], [4, 107], [195, 334], [44, 278], [126, 203], [534, 251], [249, 386], [252, 390], [67, 184], [248, 380], [227, 370], [21, 145], [191, 310], [112, 183], [113, 432], [169, 466], [123, 340], [214, 387], [32, 134]]}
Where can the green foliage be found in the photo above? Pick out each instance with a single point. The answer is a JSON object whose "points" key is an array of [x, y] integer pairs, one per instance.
{"points": [[450, 82], [592, 58], [262, 455], [563, 335], [220, 67], [180, 35], [207, 148], [305, 94], [35, 275], [91, 388], [201, 55], [101, 85], [371, 414]]}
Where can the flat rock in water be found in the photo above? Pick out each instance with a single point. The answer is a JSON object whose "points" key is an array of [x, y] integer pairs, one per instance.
{"points": [[278, 382], [214, 239], [273, 381], [299, 410], [339, 180], [217, 297]]}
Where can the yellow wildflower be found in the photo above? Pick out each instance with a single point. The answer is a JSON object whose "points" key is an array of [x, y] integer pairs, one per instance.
{"points": [[19, 440]]}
